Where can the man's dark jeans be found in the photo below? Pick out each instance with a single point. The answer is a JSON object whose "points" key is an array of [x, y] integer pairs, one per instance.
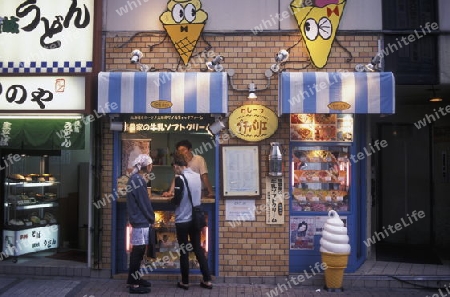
{"points": [[183, 231], [136, 256]]}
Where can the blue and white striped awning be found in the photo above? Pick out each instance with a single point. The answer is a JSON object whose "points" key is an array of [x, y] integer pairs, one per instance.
{"points": [[188, 92], [312, 92]]}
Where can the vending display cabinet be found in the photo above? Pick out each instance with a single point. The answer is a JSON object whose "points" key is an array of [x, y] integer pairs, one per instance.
{"points": [[30, 204], [320, 178]]}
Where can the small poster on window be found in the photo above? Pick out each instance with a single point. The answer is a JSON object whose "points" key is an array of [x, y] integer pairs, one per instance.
{"points": [[302, 230]]}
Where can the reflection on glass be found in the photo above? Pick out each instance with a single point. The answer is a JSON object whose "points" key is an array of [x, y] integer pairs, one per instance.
{"points": [[320, 178]]}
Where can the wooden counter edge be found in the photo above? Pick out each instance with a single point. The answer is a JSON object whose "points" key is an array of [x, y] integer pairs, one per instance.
{"points": [[160, 199]]}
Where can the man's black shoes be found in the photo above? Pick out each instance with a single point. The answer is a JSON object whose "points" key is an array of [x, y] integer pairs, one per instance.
{"points": [[144, 283], [139, 290]]}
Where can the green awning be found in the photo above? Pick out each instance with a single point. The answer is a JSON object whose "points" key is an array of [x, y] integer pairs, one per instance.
{"points": [[45, 134]]}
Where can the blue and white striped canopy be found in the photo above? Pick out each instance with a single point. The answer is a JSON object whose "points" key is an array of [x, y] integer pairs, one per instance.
{"points": [[311, 92], [189, 92]]}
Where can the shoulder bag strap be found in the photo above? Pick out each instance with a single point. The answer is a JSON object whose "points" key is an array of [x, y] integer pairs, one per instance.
{"points": [[189, 191]]}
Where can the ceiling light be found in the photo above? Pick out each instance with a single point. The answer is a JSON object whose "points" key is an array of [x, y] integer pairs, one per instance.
{"points": [[434, 98]]}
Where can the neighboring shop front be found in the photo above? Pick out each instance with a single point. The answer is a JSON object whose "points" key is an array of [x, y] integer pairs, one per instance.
{"points": [[328, 155], [45, 121]]}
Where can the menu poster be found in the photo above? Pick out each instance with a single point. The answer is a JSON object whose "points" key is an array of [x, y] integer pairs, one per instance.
{"points": [[302, 230], [240, 169], [321, 127]]}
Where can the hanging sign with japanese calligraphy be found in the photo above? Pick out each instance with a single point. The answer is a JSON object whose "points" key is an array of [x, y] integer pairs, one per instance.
{"points": [[253, 122], [274, 200], [42, 93], [42, 134], [168, 123], [42, 37]]}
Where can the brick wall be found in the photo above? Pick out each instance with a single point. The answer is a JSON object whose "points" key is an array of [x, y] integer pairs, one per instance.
{"points": [[253, 248]]}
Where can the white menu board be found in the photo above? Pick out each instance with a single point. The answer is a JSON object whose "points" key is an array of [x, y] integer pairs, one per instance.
{"points": [[240, 169]]}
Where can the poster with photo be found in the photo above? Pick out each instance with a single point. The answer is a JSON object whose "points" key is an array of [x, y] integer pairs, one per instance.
{"points": [[131, 149], [321, 127], [302, 230]]}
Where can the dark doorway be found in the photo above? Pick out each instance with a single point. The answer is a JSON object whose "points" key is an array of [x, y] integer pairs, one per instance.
{"points": [[404, 185]]}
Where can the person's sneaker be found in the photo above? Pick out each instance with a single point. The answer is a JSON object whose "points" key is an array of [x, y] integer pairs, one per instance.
{"points": [[144, 283], [139, 290]]}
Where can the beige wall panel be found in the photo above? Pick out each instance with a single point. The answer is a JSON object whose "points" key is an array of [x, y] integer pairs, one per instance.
{"points": [[234, 15]]}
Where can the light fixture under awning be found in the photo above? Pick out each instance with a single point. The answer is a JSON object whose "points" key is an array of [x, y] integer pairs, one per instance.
{"points": [[162, 92], [316, 92]]}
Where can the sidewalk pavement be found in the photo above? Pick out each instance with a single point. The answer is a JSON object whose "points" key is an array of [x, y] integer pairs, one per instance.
{"points": [[95, 287]]}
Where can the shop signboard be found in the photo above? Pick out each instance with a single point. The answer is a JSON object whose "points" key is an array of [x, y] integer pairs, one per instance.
{"points": [[253, 122], [42, 93], [41, 37], [168, 123], [20, 242], [275, 200]]}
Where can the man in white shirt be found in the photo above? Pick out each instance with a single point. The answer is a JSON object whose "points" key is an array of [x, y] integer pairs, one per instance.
{"points": [[197, 163]]}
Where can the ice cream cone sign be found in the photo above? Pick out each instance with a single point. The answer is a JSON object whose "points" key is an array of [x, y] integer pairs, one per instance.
{"points": [[318, 21], [184, 21]]}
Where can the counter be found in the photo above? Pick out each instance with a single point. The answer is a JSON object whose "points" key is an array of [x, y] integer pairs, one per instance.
{"points": [[160, 199]]}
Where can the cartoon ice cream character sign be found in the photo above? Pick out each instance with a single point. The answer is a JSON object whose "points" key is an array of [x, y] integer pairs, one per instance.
{"points": [[318, 21], [184, 21]]}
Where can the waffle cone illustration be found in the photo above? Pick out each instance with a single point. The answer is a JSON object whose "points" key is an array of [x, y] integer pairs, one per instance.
{"points": [[318, 22], [184, 21], [184, 38]]}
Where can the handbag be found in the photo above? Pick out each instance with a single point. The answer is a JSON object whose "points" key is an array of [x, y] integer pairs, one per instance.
{"points": [[198, 215]]}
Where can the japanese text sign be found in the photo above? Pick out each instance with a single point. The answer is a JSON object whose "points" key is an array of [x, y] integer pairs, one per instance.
{"points": [[274, 200], [253, 122], [42, 37], [168, 123], [42, 93]]}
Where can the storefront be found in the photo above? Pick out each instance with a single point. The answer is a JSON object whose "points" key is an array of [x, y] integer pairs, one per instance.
{"points": [[150, 113], [328, 155], [45, 168], [46, 123]]}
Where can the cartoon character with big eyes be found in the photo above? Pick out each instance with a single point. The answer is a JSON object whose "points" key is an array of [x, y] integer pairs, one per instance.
{"points": [[184, 21], [318, 21]]}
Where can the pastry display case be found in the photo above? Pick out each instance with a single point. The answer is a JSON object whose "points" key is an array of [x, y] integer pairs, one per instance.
{"points": [[30, 204], [167, 248], [320, 178]]}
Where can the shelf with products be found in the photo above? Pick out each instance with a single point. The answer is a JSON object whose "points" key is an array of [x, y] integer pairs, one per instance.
{"points": [[30, 205], [320, 178], [167, 248]]}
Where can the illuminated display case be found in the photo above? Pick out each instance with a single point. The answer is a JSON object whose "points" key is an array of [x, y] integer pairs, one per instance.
{"points": [[30, 207], [167, 248], [320, 178]]}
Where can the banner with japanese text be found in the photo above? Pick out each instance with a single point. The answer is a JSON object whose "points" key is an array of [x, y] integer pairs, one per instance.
{"points": [[46, 134], [58, 37]]}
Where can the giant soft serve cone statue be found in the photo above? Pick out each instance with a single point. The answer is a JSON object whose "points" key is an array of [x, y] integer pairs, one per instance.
{"points": [[335, 250]]}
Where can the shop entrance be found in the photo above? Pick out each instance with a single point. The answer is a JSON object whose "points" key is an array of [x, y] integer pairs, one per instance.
{"points": [[404, 188]]}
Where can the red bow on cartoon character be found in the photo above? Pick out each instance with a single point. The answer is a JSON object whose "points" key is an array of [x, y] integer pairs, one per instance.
{"points": [[330, 12]]}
